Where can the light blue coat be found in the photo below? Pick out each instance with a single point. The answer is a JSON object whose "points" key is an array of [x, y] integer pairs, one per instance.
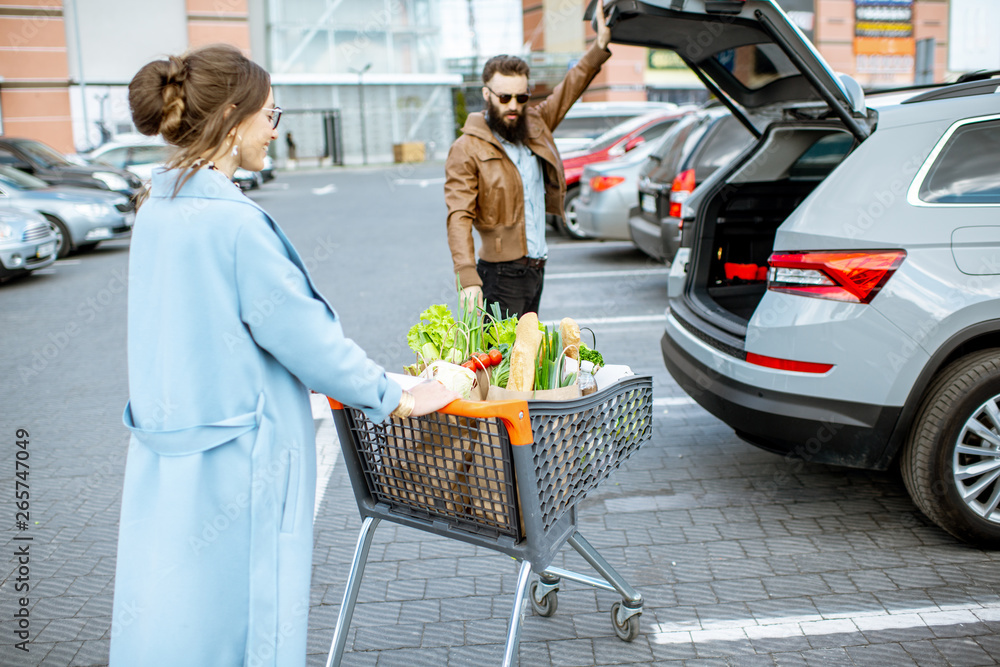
{"points": [[225, 333]]}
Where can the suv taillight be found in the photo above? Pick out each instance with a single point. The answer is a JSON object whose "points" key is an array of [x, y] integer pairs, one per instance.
{"points": [[679, 192], [602, 183], [855, 276]]}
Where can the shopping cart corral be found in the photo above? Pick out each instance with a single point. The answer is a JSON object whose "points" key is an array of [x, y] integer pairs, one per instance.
{"points": [[505, 475]]}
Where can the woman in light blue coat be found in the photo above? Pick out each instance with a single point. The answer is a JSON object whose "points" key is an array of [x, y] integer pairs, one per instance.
{"points": [[226, 334]]}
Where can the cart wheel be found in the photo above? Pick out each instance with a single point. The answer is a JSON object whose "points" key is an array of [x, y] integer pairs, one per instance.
{"points": [[630, 629], [549, 602]]}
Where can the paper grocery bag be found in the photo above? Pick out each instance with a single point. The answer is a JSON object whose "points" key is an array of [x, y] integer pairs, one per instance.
{"points": [[425, 467]]}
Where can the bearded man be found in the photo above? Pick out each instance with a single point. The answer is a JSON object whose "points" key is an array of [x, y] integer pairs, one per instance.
{"points": [[504, 174]]}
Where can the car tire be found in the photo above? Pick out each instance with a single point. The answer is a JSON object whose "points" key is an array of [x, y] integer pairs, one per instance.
{"points": [[64, 242], [958, 426], [570, 225]]}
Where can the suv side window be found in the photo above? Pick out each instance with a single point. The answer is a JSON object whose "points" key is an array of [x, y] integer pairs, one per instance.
{"points": [[967, 170]]}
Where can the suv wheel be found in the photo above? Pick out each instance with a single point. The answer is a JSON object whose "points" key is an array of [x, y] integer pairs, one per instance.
{"points": [[951, 461], [570, 225]]}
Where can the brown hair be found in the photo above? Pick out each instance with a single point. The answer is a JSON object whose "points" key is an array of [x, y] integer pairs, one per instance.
{"points": [[504, 64], [186, 99]]}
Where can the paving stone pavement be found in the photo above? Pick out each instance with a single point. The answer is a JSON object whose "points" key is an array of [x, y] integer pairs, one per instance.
{"points": [[743, 558]]}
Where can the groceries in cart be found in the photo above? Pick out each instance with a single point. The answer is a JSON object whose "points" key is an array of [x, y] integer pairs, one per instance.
{"points": [[485, 356]]}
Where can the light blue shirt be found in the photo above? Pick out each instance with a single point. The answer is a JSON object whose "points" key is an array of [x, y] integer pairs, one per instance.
{"points": [[528, 166]]}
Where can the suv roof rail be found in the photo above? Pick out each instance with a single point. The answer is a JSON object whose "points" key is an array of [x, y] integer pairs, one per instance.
{"points": [[903, 89], [981, 85], [978, 75]]}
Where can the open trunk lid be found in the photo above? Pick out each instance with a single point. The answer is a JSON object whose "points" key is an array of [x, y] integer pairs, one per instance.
{"points": [[747, 49]]}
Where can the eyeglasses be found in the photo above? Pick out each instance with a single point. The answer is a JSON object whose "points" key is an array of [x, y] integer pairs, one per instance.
{"points": [[275, 116], [505, 98]]}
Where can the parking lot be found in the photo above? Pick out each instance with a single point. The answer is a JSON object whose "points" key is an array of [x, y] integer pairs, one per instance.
{"points": [[743, 557]]}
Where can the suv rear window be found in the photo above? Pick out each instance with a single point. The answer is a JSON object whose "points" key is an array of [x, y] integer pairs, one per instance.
{"points": [[967, 170], [756, 65], [821, 158], [726, 140]]}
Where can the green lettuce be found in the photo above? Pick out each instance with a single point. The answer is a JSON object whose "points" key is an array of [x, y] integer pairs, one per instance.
{"points": [[433, 336]]}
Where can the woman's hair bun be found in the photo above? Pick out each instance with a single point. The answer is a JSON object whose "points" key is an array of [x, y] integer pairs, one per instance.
{"points": [[156, 97]]}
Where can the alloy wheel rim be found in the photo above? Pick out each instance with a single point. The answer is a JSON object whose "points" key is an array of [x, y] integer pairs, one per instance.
{"points": [[571, 214], [976, 461], [59, 236]]}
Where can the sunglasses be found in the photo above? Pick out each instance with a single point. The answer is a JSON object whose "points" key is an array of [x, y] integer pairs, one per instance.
{"points": [[275, 116], [505, 98]]}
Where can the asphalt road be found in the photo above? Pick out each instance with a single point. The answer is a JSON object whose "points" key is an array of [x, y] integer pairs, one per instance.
{"points": [[744, 558]]}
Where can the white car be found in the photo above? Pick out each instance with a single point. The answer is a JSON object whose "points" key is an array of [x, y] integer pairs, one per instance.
{"points": [[141, 155]]}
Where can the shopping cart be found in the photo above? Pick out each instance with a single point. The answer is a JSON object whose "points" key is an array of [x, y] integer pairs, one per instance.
{"points": [[505, 475]]}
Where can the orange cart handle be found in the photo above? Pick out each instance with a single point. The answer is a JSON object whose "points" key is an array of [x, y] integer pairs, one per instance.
{"points": [[513, 413]]}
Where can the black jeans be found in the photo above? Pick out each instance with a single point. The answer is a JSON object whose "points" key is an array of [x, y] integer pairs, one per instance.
{"points": [[516, 288]]}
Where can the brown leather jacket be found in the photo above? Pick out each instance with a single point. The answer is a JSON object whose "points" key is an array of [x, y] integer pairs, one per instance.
{"points": [[482, 186]]}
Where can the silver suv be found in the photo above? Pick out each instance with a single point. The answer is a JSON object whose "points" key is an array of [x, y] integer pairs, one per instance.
{"points": [[837, 293]]}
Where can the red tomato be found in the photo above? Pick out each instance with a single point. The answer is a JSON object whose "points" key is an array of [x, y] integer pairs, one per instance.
{"points": [[495, 356], [483, 360], [470, 364]]}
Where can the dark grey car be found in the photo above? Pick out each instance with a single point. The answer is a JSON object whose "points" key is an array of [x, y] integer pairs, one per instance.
{"points": [[698, 145], [44, 162]]}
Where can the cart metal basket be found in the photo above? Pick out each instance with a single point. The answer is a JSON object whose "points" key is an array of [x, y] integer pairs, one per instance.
{"points": [[505, 475]]}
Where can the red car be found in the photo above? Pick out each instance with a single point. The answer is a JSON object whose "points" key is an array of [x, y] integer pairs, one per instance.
{"points": [[612, 144]]}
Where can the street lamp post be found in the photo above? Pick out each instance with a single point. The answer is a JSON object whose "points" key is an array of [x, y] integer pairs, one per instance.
{"points": [[361, 110]]}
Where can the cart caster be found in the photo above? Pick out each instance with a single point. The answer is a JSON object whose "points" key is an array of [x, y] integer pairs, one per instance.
{"points": [[548, 602], [625, 621]]}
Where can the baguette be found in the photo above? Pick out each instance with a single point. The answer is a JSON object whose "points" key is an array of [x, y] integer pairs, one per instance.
{"points": [[527, 338], [569, 331]]}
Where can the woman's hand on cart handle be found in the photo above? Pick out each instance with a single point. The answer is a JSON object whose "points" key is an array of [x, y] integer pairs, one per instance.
{"points": [[430, 397]]}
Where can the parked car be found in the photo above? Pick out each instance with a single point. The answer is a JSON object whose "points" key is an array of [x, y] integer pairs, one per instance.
{"points": [[585, 121], [614, 143], [267, 173], [140, 155], [80, 217], [44, 162], [136, 153], [696, 147], [608, 191], [27, 243], [835, 297]]}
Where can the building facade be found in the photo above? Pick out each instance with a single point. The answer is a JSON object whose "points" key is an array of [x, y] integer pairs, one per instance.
{"points": [[356, 77], [881, 43]]}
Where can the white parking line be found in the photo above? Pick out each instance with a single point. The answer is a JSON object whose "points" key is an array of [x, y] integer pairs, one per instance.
{"points": [[67, 262], [422, 182], [325, 190], [625, 319], [823, 624], [583, 245], [673, 400], [606, 274]]}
